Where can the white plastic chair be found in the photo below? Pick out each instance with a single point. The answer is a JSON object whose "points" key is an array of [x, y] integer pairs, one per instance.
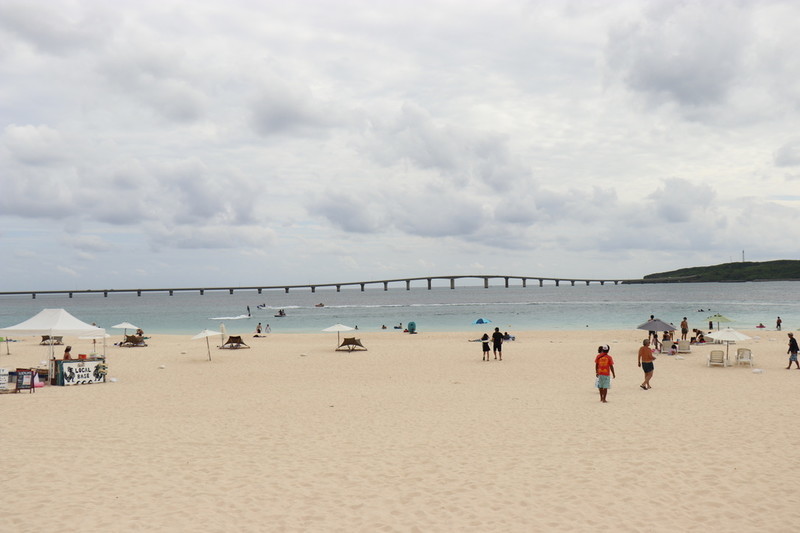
{"points": [[716, 357], [684, 347], [744, 356]]}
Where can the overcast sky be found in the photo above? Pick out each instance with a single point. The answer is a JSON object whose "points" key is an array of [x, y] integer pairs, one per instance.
{"points": [[206, 143]]}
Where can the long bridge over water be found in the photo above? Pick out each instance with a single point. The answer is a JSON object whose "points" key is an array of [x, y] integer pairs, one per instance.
{"points": [[507, 281]]}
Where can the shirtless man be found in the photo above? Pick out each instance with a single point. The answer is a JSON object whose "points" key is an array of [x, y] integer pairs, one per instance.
{"points": [[646, 359]]}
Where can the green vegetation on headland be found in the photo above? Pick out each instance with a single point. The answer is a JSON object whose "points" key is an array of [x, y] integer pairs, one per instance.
{"points": [[782, 270]]}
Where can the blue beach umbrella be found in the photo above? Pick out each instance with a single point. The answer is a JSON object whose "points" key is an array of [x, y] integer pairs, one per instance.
{"points": [[482, 321]]}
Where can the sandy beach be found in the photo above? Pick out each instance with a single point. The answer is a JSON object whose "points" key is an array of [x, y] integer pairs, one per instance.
{"points": [[415, 434]]}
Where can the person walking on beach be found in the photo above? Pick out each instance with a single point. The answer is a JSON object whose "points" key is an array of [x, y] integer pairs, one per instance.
{"points": [[604, 371], [684, 328], [778, 323], [497, 343], [645, 361], [485, 346], [793, 349]]}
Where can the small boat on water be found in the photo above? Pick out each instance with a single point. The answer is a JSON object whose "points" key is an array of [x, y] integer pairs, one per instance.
{"points": [[320, 305], [261, 306], [280, 314]]}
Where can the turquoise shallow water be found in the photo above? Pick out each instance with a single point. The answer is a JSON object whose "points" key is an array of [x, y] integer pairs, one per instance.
{"points": [[440, 309]]}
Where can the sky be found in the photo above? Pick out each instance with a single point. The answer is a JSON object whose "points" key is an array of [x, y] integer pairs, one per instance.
{"points": [[212, 143]]}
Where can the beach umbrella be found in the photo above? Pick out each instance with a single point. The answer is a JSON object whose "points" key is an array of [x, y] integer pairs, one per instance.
{"points": [[718, 318], [205, 334], [93, 337], [728, 335], [337, 328], [482, 321], [656, 325], [126, 326]]}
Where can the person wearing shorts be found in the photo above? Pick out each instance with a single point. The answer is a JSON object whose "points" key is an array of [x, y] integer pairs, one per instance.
{"points": [[645, 361], [684, 328], [497, 343], [603, 371], [793, 349]]}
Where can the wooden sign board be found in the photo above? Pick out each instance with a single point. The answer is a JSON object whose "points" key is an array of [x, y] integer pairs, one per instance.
{"points": [[25, 379]]}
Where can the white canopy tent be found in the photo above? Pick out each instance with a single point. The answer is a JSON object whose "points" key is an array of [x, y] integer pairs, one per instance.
{"points": [[53, 322]]}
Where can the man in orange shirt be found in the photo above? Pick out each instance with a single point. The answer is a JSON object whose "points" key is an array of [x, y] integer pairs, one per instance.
{"points": [[604, 370], [646, 359]]}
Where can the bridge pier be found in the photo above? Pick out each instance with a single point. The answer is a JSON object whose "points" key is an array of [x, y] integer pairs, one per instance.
{"points": [[171, 292], [556, 282], [33, 296], [524, 282], [259, 290], [408, 284], [286, 290], [362, 287], [105, 294], [587, 282], [452, 283], [541, 282], [602, 282], [506, 283], [429, 283], [485, 283], [386, 285], [139, 293], [572, 282], [230, 291], [70, 295]]}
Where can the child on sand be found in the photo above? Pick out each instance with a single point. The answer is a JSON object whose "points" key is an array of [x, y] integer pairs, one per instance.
{"points": [[604, 371]]}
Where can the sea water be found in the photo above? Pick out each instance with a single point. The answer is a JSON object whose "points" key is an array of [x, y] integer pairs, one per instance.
{"points": [[516, 308]]}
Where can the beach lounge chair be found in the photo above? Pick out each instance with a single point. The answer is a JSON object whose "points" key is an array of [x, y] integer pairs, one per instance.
{"points": [[744, 356], [350, 344], [717, 357], [133, 341], [684, 347], [234, 343], [47, 339]]}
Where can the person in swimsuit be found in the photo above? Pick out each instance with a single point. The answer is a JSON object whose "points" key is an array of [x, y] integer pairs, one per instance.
{"points": [[645, 361], [684, 328]]}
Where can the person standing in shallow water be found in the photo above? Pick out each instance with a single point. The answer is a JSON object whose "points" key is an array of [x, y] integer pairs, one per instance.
{"points": [[604, 371]]}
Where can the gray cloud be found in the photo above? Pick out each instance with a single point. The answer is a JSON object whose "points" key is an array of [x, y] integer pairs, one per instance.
{"points": [[690, 54]]}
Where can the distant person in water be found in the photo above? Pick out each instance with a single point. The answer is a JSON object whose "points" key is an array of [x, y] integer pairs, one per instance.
{"points": [[778, 323]]}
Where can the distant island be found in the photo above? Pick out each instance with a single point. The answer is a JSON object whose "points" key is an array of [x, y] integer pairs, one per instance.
{"points": [[782, 270]]}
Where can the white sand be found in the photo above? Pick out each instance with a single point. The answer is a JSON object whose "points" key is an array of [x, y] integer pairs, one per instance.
{"points": [[416, 434]]}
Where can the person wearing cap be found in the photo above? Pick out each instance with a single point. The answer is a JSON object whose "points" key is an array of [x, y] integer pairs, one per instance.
{"points": [[645, 361], [793, 349], [604, 371]]}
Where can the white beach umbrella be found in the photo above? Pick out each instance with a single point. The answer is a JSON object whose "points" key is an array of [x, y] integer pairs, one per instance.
{"points": [[126, 326], [728, 335], [337, 328], [205, 334]]}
